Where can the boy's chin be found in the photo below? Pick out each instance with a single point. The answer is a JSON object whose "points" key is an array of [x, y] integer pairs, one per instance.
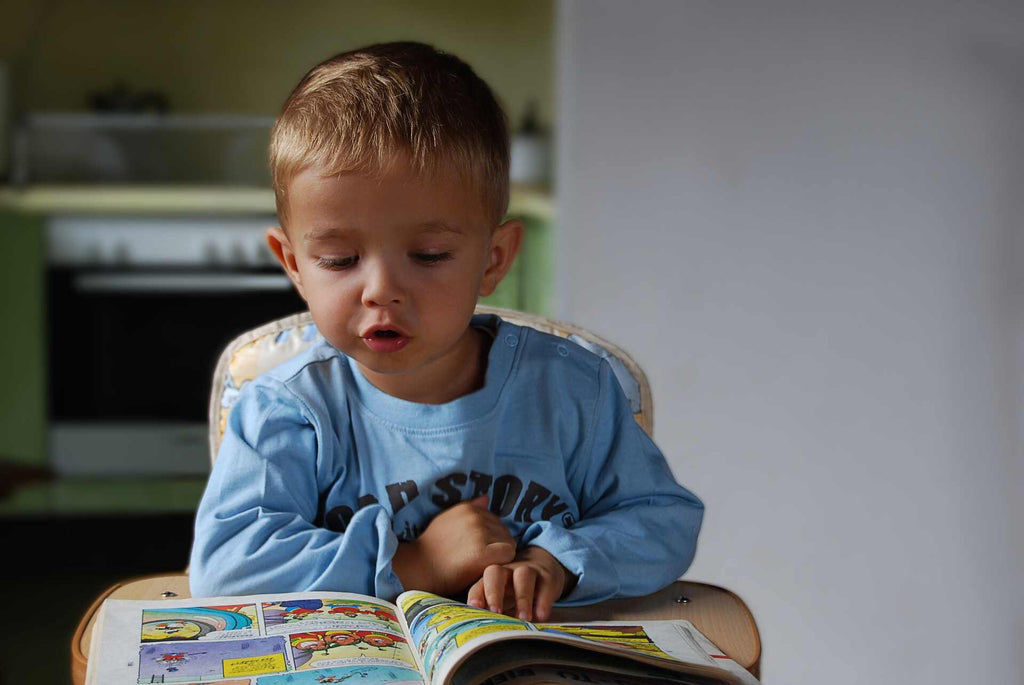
{"points": [[388, 366]]}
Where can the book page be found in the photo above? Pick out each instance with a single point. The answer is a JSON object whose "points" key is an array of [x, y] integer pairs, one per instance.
{"points": [[281, 639], [445, 634], [533, 661], [438, 627], [570, 675]]}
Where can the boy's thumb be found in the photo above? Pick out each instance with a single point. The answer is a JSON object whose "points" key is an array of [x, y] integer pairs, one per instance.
{"points": [[480, 502]]}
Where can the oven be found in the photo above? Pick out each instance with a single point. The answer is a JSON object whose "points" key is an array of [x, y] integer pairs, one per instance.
{"points": [[139, 309]]}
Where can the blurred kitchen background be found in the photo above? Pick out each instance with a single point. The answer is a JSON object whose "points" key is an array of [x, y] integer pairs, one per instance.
{"points": [[803, 219], [134, 200]]}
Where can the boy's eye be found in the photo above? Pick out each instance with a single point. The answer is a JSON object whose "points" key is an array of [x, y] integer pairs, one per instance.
{"points": [[337, 263], [432, 257]]}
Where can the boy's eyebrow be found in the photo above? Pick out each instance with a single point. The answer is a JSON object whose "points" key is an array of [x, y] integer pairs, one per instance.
{"points": [[319, 234], [333, 233], [439, 227]]}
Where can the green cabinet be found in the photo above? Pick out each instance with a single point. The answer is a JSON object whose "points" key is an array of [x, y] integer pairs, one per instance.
{"points": [[528, 285], [22, 341]]}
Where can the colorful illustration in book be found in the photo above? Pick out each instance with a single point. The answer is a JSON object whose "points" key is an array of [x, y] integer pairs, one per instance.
{"points": [[456, 635], [414, 603], [363, 675], [413, 611], [195, 623], [439, 626], [319, 648], [353, 609], [441, 617], [216, 660], [296, 610], [630, 637], [477, 629], [220, 682]]}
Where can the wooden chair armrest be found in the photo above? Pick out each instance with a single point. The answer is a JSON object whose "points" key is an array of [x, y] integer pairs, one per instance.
{"points": [[718, 613]]}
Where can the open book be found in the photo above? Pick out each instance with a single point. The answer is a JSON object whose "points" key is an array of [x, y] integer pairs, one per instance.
{"points": [[313, 638]]}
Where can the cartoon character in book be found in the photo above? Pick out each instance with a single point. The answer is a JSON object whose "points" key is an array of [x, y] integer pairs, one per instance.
{"points": [[169, 627], [173, 660], [295, 609], [342, 639], [309, 642], [312, 642], [353, 610], [378, 640], [340, 678]]}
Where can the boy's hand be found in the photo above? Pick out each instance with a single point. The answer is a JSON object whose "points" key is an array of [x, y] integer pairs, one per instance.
{"points": [[458, 544], [527, 586]]}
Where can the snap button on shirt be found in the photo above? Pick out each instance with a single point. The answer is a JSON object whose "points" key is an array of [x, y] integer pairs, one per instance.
{"points": [[563, 350], [511, 340]]}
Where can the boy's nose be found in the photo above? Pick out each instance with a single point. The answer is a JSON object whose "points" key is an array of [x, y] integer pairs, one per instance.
{"points": [[381, 287]]}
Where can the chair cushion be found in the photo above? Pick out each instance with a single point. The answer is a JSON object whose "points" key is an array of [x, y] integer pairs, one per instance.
{"points": [[262, 348]]}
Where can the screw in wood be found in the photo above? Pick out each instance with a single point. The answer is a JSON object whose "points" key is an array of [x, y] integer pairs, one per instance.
{"points": [[167, 593], [682, 600]]}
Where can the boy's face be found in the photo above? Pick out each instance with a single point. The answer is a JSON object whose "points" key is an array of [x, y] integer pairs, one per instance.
{"points": [[391, 268]]}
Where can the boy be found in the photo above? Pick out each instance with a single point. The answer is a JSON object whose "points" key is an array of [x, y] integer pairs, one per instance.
{"points": [[419, 446]]}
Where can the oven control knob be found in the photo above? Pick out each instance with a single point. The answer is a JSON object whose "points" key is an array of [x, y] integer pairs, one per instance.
{"points": [[211, 253], [122, 256], [238, 256], [93, 255], [262, 254]]}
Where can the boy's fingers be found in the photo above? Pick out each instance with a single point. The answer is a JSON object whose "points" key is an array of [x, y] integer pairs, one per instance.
{"points": [[546, 595], [524, 579], [495, 580], [480, 502], [475, 597]]}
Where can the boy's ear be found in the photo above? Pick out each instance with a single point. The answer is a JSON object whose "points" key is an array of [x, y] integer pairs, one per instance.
{"points": [[505, 243], [277, 241]]}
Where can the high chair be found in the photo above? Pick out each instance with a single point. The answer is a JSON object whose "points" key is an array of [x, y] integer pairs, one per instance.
{"points": [[718, 613]]}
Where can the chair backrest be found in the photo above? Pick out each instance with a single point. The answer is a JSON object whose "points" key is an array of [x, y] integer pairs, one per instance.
{"points": [[266, 346]]}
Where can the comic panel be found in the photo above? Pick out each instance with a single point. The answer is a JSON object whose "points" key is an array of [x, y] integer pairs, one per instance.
{"points": [[185, 662], [246, 681], [322, 648], [199, 623], [429, 615], [438, 626], [430, 622], [456, 635], [574, 675], [364, 675], [314, 614], [631, 637], [224, 682], [414, 603]]}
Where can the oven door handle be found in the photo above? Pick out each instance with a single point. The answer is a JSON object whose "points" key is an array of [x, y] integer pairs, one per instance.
{"points": [[173, 282]]}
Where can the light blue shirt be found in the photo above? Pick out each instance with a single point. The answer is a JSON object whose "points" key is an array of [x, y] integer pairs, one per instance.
{"points": [[320, 475]]}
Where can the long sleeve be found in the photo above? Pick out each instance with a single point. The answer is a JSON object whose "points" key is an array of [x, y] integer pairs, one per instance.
{"points": [[256, 527], [638, 527]]}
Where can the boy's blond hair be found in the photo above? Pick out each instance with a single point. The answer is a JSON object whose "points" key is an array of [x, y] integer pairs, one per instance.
{"points": [[360, 110]]}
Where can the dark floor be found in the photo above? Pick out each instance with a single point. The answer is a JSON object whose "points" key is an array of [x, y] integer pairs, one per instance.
{"points": [[56, 567]]}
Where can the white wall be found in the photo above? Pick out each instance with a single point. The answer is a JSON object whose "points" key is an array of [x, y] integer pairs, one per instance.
{"points": [[803, 219]]}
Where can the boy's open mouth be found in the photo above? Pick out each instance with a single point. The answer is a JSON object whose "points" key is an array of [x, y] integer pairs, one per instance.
{"points": [[385, 340]]}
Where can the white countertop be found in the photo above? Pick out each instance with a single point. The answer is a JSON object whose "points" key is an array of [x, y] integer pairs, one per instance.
{"points": [[80, 199], [104, 199]]}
